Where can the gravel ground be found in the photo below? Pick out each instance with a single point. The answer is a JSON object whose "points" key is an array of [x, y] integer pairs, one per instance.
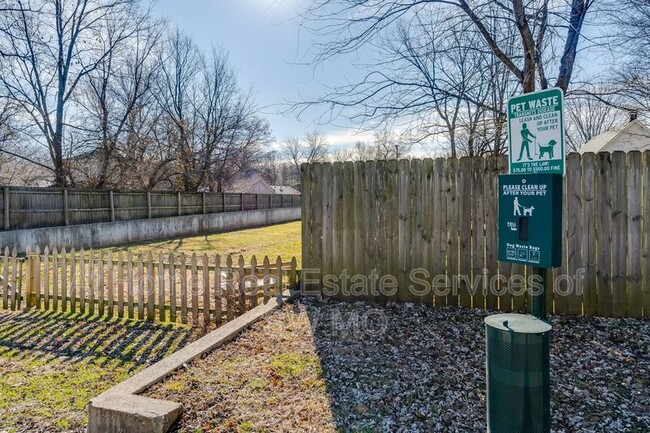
{"points": [[331, 366]]}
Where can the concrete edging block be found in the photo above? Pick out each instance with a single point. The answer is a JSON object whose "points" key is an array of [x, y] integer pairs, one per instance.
{"points": [[121, 410]]}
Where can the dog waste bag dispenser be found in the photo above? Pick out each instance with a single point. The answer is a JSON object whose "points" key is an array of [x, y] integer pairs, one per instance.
{"points": [[518, 374], [530, 219]]}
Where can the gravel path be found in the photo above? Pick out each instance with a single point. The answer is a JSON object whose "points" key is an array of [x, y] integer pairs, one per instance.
{"points": [[331, 366]]}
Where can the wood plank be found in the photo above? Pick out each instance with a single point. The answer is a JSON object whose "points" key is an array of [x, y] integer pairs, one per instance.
{"points": [[254, 290], [266, 278], [452, 228], [491, 198], [5, 279], [589, 235], [574, 225], [162, 315], [218, 293], [64, 280], [120, 285], [326, 218], [465, 211], [151, 288], [101, 292], [73, 281], [37, 278], [359, 230], [392, 229], [604, 233], [129, 284], [619, 227], [436, 242], [634, 235], [348, 227], [183, 279], [46, 277], [317, 223], [110, 289], [205, 273], [505, 268], [195, 290], [646, 234], [307, 226], [337, 266], [16, 299], [370, 227], [479, 283], [406, 229], [230, 308], [55, 279], [172, 289], [279, 282], [82, 280], [241, 289], [141, 286], [558, 297]]}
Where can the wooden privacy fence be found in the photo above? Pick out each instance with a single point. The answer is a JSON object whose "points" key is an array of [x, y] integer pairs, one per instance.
{"points": [[24, 208], [199, 290], [430, 228]]}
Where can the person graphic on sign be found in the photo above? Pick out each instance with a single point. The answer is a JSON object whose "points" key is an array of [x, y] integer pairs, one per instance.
{"points": [[526, 136], [517, 207]]}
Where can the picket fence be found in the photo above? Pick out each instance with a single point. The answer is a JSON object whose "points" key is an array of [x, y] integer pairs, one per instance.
{"points": [[199, 290], [441, 216]]}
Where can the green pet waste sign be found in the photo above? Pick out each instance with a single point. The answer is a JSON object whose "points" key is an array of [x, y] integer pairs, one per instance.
{"points": [[530, 219], [536, 132]]}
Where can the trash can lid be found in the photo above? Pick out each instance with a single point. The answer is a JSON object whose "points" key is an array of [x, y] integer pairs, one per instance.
{"points": [[520, 323]]}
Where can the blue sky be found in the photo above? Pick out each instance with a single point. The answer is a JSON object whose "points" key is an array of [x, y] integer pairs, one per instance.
{"points": [[266, 45]]}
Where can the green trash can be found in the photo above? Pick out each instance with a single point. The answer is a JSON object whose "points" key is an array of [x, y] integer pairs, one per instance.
{"points": [[518, 374]]}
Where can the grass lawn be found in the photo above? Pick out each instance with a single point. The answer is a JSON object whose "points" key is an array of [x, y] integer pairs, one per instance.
{"points": [[52, 364], [277, 240]]}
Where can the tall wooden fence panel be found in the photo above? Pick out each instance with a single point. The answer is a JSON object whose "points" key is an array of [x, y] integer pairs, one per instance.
{"points": [[426, 231], [24, 208], [199, 290]]}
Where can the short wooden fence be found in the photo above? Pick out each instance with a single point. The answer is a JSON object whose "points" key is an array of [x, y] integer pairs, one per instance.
{"points": [[200, 290]]}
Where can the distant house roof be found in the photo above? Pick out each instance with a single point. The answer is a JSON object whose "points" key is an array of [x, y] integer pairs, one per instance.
{"points": [[632, 136], [285, 190]]}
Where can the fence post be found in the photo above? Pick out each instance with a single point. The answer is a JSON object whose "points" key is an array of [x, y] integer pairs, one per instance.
{"points": [[223, 201], [203, 202], [179, 198], [257, 201], [66, 210], [149, 204], [111, 204], [6, 209], [241, 201]]}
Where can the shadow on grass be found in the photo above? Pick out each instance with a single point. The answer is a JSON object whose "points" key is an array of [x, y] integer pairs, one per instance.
{"points": [[70, 338]]}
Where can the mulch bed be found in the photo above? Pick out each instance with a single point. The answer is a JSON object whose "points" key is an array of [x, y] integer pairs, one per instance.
{"points": [[333, 366]]}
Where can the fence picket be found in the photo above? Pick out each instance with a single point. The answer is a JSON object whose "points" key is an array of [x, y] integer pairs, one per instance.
{"points": [[172, 289], [206, 292], [633, 246], [229, 288], [64, 281], [589, 235], [465, 230], [82, 285], [46, 276], [110, 288], [241, 285], [162, 316], [183, 279], [218, 291], [129, 285], [195, 291], [619, 227], [100, 283], [5, 279], [646, 234], [141, 287], [36, 269], [266, 279], [55, 279], [73, 281]]}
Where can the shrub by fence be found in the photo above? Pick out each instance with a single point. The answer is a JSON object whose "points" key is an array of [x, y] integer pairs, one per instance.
{"points": [[429, 228], [197, 290], [24, 208]]}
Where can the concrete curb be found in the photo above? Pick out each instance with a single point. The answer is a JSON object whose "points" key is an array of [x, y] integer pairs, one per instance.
{"points": [[121, 410]]}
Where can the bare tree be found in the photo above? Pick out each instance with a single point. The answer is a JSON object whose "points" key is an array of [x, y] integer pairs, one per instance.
{"points": [[52, 45], [314, 148], [588, 117], [447, 66]]}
